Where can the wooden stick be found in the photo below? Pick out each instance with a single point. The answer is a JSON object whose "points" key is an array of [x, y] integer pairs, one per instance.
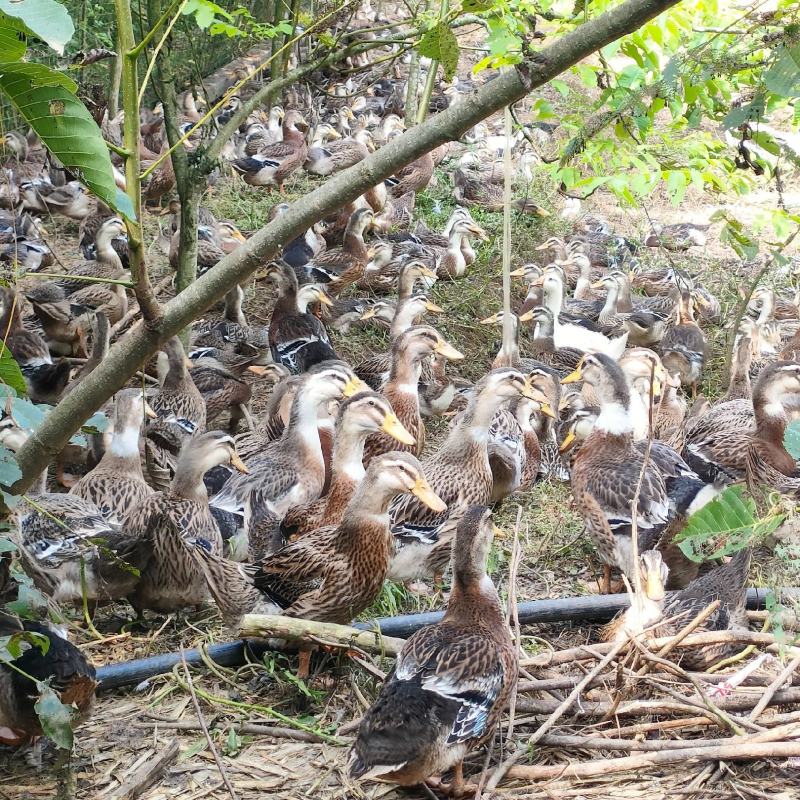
{"points": [[211, 746], [606, 766], [682, 634], [774, 686], [268, 626], [239, 727], [692, 640], [557, 713], [657, 745], [148, 773], [639, 708]]}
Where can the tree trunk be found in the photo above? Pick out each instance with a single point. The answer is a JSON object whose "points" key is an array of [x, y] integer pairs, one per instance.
{"points": [[508, 87]]}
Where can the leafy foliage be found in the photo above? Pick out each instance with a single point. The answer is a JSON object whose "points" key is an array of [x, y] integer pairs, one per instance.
{"points": [[10, 373], [55, 717], [45, 19], [440, 44], [726, 524], [791, 439]]}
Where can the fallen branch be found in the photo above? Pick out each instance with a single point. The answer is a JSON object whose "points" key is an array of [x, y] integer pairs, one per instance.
{"points": [[240, 727], [148, 773], [607, 766], [786, 673], [789, 731], [640, 708], [267, 626]]}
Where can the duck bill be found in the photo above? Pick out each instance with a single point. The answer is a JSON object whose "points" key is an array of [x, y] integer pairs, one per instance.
{"points": [[257, 369], [542, 212], [238, 464], [325, 300], [423, 492], [567, 443], [564, 402], [394, 428], [354, 386], [148, 411], [368, 314], [574, 376], [498, 533], [654, 587], [448, 351], [238, 235], [490, 320], [542, 246], [433, 308], [547, 410], [479, 232], [597, 285], [527, 316], [425, 272], [517, 273]]}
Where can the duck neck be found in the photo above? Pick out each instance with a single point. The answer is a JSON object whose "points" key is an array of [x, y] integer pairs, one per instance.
{"points": [[474, 598], [124, 450], [348, 454], [354, 242], [455, 251], [770, 416], [105, 250], [302, 431], [767, 308], [188, 481], [610, 305], [404, 316], [624, 297], [553, 298], [479, 414], [508, 355]]}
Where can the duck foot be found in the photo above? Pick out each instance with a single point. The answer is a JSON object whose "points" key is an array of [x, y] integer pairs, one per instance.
{"points": [[457, 788], [420, 588]]}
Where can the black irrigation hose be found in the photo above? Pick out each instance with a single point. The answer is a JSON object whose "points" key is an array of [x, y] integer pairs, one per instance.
{"points": [[591, 608]]}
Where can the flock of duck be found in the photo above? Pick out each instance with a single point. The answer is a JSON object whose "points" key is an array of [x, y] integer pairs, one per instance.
{"points": [[334, 490]]}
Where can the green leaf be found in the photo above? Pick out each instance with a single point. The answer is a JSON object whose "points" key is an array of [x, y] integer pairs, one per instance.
{"points": [[10, 472], [676, 184], [30, 602], [475, 6], [45, 19], [54, 716], [783, 77], [11, 647], [12, 38], [10, 373], [440, 44], [46, 99], [791, 439], [749, 112], [729, 518], [26, 414]]}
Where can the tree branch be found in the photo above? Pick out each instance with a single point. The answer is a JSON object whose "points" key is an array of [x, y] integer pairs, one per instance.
{"points": [[123, 359]]}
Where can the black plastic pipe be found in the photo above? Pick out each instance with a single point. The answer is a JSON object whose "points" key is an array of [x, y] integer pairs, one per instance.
{"points": [[591, 608]]}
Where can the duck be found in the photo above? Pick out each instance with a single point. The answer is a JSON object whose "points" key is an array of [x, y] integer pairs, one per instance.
{"points": [[24, 164], [569, 334], [298, 340], [452, 263], [677, 236], [414, 177], [409, 351], [360, 416], [382, 272], [171, 580], [116, 485], [459, 473], [341, 266], [684, 348], [60, 667], [219, 377], [396, 213], [180, 412], [469, 189], [287, 471], [664, 614], [451, 682], [107, 263], [331, 574], [326, 159], [515, 454], [606, 471], [62, 322], [563, 360], [743, 439], [45, 380], [303, 248], [740, 386], [374, 370], [274, 163]]}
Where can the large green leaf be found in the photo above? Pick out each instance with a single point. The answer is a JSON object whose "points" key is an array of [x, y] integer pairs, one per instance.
{"points": [[10, 373], [440, 44], [12, 38], [45, 19], [55, 717], [45, 97], [10, 472], [783, 77], [728, 518], [791, 439]]}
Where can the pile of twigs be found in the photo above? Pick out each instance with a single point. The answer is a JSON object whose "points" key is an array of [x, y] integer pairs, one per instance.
{"points": [[612, 708]]}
